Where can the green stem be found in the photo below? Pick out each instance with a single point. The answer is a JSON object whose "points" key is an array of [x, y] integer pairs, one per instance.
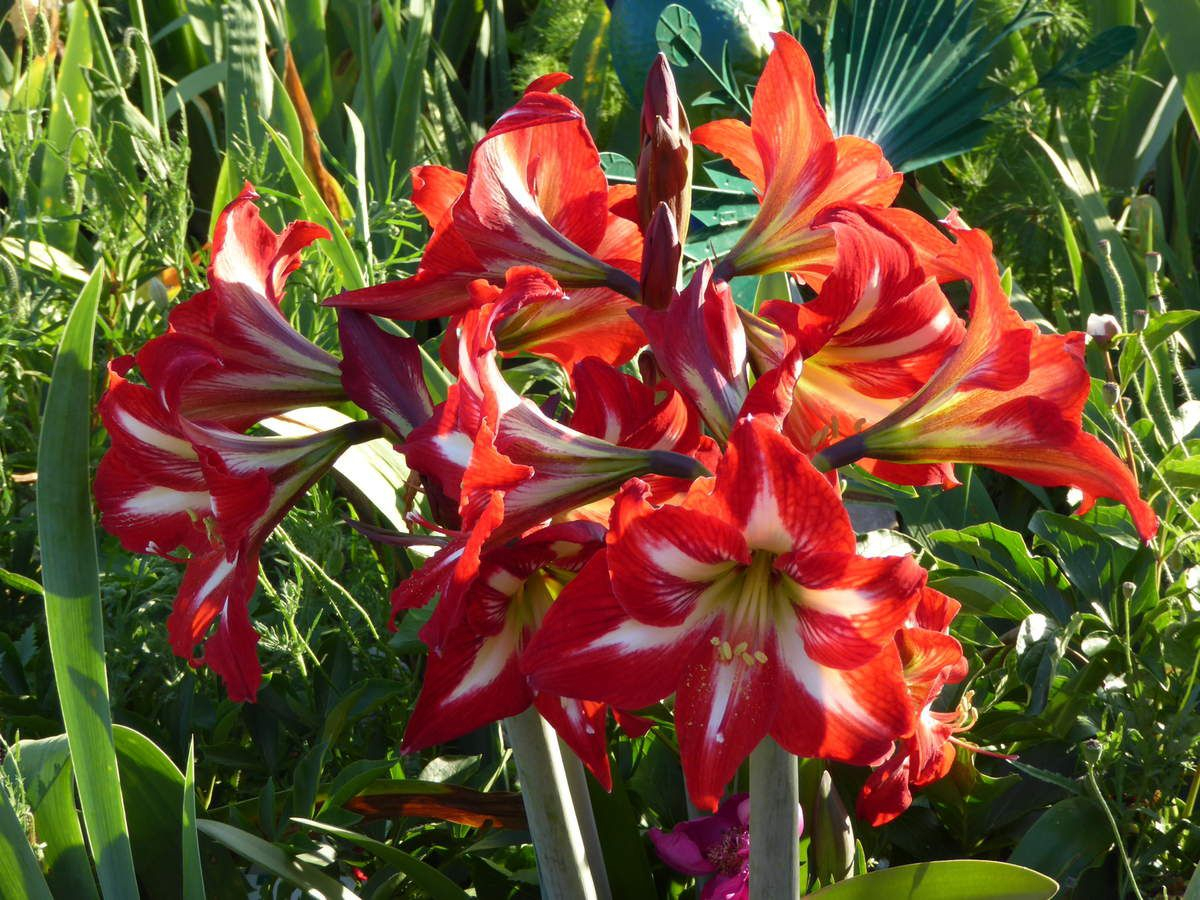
{"points": [[1116, 830], [566, 870], [774, 823]]}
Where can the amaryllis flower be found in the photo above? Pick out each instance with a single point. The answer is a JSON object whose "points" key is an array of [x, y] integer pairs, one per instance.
{"points": [[167, 483], [509, 466], [874, 335], [1008, 398], [699, 344], [797, 167], [716, 846], [931, 659], [748, 602], [534, 194], [231, 356], [475, 677]]}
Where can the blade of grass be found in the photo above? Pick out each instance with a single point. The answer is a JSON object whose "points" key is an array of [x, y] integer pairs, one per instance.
{"points": [[193, 872], [74, 618]]}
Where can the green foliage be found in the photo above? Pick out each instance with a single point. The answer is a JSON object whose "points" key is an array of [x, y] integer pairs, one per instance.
{"points": [[123, 132]]}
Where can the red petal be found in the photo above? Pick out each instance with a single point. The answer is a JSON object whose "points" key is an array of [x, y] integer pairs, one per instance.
{"points": [[434, 190], [722, 711], [382, 373], [666, 560], [586, 631], [581, 725], [849, 715]]}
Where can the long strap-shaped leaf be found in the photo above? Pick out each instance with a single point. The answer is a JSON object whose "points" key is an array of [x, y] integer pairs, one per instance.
{"points": [[73, 614]]}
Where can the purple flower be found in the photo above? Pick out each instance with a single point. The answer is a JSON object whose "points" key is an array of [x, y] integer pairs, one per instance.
{"points": [[716, 845]]}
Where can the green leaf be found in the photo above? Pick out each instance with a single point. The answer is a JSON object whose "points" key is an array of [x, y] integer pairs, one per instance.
{"points": [[249, 80], [20, 874], [338, 250], [678, 35], [74, 619], [193, 870], [44, 769], [958, 879], [1080, 183], [410, 91], [424, 876], [277, 862], [1157, 331], [1177, 23], [153, 790], [193, 84], [1068, 838], [19, 582], [70, 111]]}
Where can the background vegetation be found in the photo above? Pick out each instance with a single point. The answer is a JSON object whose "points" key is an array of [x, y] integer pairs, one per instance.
{"points": [[1067, 128]]}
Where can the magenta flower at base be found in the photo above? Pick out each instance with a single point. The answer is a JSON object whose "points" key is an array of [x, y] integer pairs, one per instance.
{"points": [[716, 846]]}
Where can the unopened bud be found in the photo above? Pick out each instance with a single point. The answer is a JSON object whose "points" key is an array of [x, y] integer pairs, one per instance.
{"points": [[1153, 263], [1105, 248], [664, 172], [1112, 393], [1090, 750], [1128, 588], [661, 255], [1102, 329], [1140, 318]]}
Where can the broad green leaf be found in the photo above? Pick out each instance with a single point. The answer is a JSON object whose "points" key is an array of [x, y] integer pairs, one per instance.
{"points": [[958, 879], [1068, 838], [1177, 23], [424, 876], [1157, 331], [74, 619], [20, 874], [617, 823], [45, 772], [304, 876], [70, 111], [153, 790]]}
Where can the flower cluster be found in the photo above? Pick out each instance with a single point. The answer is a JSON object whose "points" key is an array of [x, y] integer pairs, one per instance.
{"points": [[675, 533]]}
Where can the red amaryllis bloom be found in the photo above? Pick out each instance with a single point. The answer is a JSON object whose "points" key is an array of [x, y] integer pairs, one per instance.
{"points": [[931, 659], [382, 373], [747, 601], [509, 465], [876, 332], [797, 167], [534, 194], [699, 344], [230, 355], [1007, 398], [167, 482], [476, 679]]}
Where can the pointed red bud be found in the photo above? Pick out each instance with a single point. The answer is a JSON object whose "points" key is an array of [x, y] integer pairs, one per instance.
{"points": [[665, 165], [661, 255]]}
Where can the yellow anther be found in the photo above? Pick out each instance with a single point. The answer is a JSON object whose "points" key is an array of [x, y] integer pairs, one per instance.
{"points": [[716, 642], [760, 656], [726, 651], [740, 648], [748, 659]]}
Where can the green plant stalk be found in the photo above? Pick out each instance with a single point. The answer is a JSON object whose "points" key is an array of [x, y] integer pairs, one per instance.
{"points": [[565, 868], [147, 66], [774, 823], [1116, 830], [74, 617]]}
